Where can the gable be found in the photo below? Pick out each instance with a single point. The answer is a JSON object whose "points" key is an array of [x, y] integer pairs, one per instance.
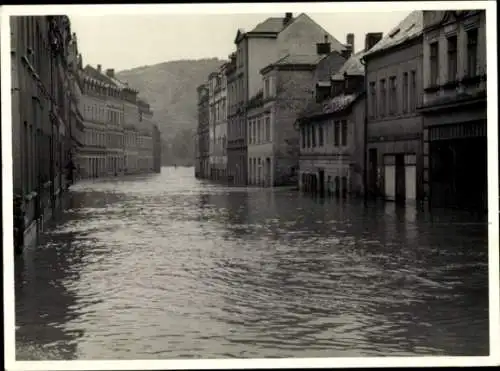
{"points": [[239, 36]]}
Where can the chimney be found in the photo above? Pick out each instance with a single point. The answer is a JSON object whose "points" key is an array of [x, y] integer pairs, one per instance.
{"points": [[371, 39], [287, 19], [99, 67], [350, 40], [110, 72], [324, 47], [347, 52]]}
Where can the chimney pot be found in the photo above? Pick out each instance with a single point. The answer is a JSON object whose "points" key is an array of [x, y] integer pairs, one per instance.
{"points": [[287, 19], [110, 72], [350, 40], [99, 67]]}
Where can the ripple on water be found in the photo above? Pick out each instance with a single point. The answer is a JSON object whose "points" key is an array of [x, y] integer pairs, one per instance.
{"points": [[166, 266]]}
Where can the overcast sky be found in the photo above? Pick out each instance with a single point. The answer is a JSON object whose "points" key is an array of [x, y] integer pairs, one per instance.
{"points": [[126, 41]]}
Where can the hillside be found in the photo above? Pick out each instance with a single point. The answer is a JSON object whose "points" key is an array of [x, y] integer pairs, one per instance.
{"points": [[170, 89]]}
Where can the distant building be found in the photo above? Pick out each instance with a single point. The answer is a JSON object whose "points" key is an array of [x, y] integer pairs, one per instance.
{"points": [[332, 132], [394, 127], [268, 42], [203, 131], [145, 137], [156, 149], [454, 108], [217, 85]]}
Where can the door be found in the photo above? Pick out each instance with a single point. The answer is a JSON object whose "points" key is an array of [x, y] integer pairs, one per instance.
{"points": [[321, 174], [372, 168], [400, 178], [389, 178]]}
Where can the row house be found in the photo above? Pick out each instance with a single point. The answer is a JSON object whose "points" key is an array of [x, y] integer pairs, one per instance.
{"points": [[273, 142], [203, 132], [454, 108], [41, 108], [394, 148], [145, 140], [332, 129], [268, 42], [217, 83], [96, 112]]}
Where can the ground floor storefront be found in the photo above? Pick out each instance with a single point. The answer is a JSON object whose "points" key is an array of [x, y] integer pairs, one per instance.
{"points": [[330, 174], [237, 166], [394, 169]]}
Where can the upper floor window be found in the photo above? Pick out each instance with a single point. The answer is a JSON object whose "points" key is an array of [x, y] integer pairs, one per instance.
{"points": [[373, 99], [303, 136], [313, 136], [266, 87], [344, 132], [336, 135], [452, 58], [393, 100], [405, 92], [413, 103], [434, 61], [382, 98], [320, 135], [472, 52], [268, 128]]}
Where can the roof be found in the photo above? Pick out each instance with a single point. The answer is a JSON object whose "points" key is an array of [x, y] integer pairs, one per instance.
{"points": [[408, 28], [271, 25], [94, 73], [352, 66], [299, 59], [332, 105]]}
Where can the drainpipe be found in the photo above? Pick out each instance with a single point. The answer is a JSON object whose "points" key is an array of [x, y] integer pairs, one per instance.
{"points": [[365, 139]]}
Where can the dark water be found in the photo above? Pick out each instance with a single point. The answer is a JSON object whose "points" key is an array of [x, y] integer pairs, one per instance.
{"points": [[166, 266]]}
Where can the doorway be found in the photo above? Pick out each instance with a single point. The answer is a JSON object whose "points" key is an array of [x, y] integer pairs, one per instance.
{"points": [[372, 168], [400, 175], [321, 175]]}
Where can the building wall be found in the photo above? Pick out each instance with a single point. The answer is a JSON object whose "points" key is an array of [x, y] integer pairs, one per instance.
{"points": [[131, 140], [260, 163], [293, 93], [459, 29], [261, 52], [337, 161], [40, 130], [397, 131]]}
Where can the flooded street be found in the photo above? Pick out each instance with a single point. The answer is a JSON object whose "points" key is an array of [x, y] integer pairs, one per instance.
{"points": [[166, 266]]}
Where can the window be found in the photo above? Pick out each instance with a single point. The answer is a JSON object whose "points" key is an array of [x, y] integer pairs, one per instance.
{"points": [[268, 128], [434, 63], [320, 135], [266, 88], [250, 122], [413, 90], [393, 99], [308, 133], [452, 58], [472, 53], [373, 99], [313, 136], [382, 97], [336, 137], [259, 130], [303, 136], [405, 92], [254, 132], [344, 133]]}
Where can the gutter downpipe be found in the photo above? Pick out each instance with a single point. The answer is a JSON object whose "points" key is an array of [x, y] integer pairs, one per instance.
{"points": [[365, 139]]}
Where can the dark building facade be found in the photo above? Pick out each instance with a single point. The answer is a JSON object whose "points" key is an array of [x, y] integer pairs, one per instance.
{"points": [[454, 109], [41, 109], [156, 149], [203, 132]]}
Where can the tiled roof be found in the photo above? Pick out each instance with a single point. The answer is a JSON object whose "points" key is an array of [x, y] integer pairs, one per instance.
{"points": [[352, 66], [299, 59], [408, 28], [332, 105], [270, 25]]}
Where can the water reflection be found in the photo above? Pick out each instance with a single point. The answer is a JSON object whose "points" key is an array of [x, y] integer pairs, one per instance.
{"points": [[166, 266]]}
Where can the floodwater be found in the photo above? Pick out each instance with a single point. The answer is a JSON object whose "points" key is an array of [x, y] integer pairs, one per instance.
{"points": [[166, 266]]}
